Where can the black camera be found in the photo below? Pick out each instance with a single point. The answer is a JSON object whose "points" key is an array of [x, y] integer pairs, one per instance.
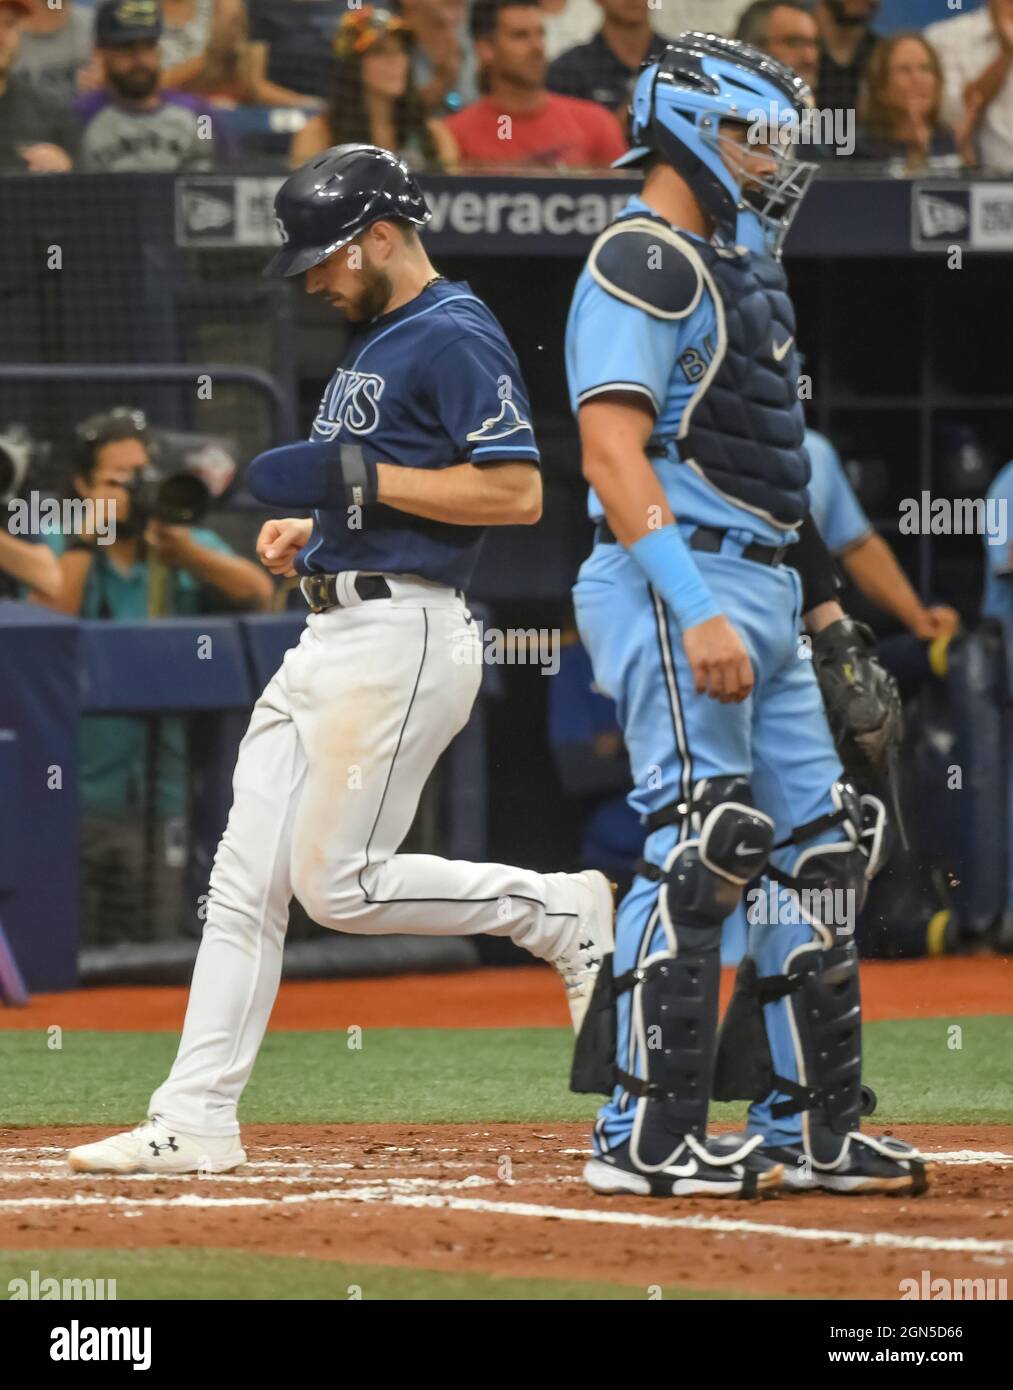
{"points": [[181, 499], [17, 451], [172, 488]]}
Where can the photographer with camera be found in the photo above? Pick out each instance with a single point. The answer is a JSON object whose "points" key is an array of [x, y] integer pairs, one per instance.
{"points": [[138, 555], [151, 533]]}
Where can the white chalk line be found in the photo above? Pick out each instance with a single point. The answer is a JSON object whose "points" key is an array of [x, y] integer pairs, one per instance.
{"points": [[33, 1167], [953, 1157], [960, 1156], [384, 1195], [259, 1179]]}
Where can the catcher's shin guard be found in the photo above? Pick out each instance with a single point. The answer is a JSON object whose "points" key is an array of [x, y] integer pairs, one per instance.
{"points": [[821, 985], [675, 989], [826, 1016]]}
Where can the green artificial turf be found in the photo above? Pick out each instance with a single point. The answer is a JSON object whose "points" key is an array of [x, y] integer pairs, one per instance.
{"points": [[226, 1274], [427, 1076]]}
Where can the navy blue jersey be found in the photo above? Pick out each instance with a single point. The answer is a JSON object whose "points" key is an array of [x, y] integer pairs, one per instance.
{"points": [[428, 385]]}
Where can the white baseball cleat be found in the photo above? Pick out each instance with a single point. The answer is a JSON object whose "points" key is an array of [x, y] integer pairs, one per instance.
{"points": [[580, 965], [155, 1148]]}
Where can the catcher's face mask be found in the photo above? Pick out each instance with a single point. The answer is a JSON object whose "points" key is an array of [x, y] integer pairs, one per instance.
{"points": [[681, 105], [772, 180]]}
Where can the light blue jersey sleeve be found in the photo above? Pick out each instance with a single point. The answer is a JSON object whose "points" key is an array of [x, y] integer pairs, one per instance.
{"points": [[999, 533], [836, 510], [613, 346], [998, 538]]}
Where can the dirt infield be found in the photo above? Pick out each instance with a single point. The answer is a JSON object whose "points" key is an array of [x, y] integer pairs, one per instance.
{"points": [[508, 1200], [525, 997]]}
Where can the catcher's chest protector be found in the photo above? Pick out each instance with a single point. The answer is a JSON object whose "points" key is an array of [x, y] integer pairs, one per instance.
{"points": [[745, 431]]}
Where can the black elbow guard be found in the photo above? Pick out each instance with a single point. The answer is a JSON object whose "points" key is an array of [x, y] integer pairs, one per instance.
{"points": [[821, 581]]}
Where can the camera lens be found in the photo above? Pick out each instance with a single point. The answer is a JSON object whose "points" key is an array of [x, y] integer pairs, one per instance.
{"points": [[182, 500]]}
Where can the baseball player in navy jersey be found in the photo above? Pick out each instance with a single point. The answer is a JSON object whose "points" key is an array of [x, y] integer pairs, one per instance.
{"points": [[683, 373], [422, 440]]}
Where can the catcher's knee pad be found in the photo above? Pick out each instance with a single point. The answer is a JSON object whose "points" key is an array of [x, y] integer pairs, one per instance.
{"points": [[675, 990], [705, 874], [830, 881]]}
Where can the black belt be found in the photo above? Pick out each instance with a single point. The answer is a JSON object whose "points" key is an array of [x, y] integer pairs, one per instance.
{"points": [[707, 538], [321, 590]]}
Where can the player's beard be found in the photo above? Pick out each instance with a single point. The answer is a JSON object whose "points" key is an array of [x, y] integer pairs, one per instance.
{"points": [[373, 297], [135, 84]]}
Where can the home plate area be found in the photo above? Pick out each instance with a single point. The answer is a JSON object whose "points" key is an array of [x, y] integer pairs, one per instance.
{"points": [[509, 1200]]}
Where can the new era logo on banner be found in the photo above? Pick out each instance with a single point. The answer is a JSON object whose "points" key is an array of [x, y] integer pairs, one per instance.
{"points": [[205, 212], [941, 216], [226, 211], [978, 216]]}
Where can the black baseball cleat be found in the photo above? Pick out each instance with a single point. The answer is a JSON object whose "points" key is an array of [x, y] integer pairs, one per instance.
{"points": [[716, 1168], [866, 1164]]}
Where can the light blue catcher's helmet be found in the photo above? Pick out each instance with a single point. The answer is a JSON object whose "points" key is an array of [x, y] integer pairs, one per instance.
{"points": [[681, 101]]}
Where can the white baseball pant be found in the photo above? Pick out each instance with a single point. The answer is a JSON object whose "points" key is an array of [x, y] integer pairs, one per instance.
{"points": [[326, 785]]}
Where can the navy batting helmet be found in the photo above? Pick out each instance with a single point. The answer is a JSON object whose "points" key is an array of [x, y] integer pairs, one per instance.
{"points": [[337, 195]]}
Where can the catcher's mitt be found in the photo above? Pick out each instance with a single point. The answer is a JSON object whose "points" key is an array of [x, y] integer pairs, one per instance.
{"points": [[861, 698]]}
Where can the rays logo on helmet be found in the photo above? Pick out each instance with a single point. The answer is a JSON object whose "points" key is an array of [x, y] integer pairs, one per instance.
{"points": [[500, 426], [281, 231]]}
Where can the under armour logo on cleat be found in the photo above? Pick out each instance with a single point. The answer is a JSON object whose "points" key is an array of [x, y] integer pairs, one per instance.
{"points": [[157, 1148]]}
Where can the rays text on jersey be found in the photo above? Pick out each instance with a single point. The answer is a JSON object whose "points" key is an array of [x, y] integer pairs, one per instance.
{"points": [[352, 402]]}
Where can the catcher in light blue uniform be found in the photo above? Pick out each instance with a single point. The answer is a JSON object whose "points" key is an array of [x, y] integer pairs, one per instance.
{"points": [[683, 374]]}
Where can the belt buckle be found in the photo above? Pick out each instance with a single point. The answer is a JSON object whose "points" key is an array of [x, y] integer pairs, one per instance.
{"points": [[314, 591]]}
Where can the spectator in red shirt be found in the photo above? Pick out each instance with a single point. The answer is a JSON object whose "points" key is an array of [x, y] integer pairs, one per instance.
{"points": [[518, 122]]}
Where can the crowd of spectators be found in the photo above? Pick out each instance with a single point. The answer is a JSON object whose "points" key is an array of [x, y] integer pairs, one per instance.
{"points": [[137, 85]]}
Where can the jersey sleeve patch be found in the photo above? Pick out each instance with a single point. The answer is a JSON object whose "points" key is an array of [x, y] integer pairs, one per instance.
{"points": [[646, 264], [481, 400]]}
